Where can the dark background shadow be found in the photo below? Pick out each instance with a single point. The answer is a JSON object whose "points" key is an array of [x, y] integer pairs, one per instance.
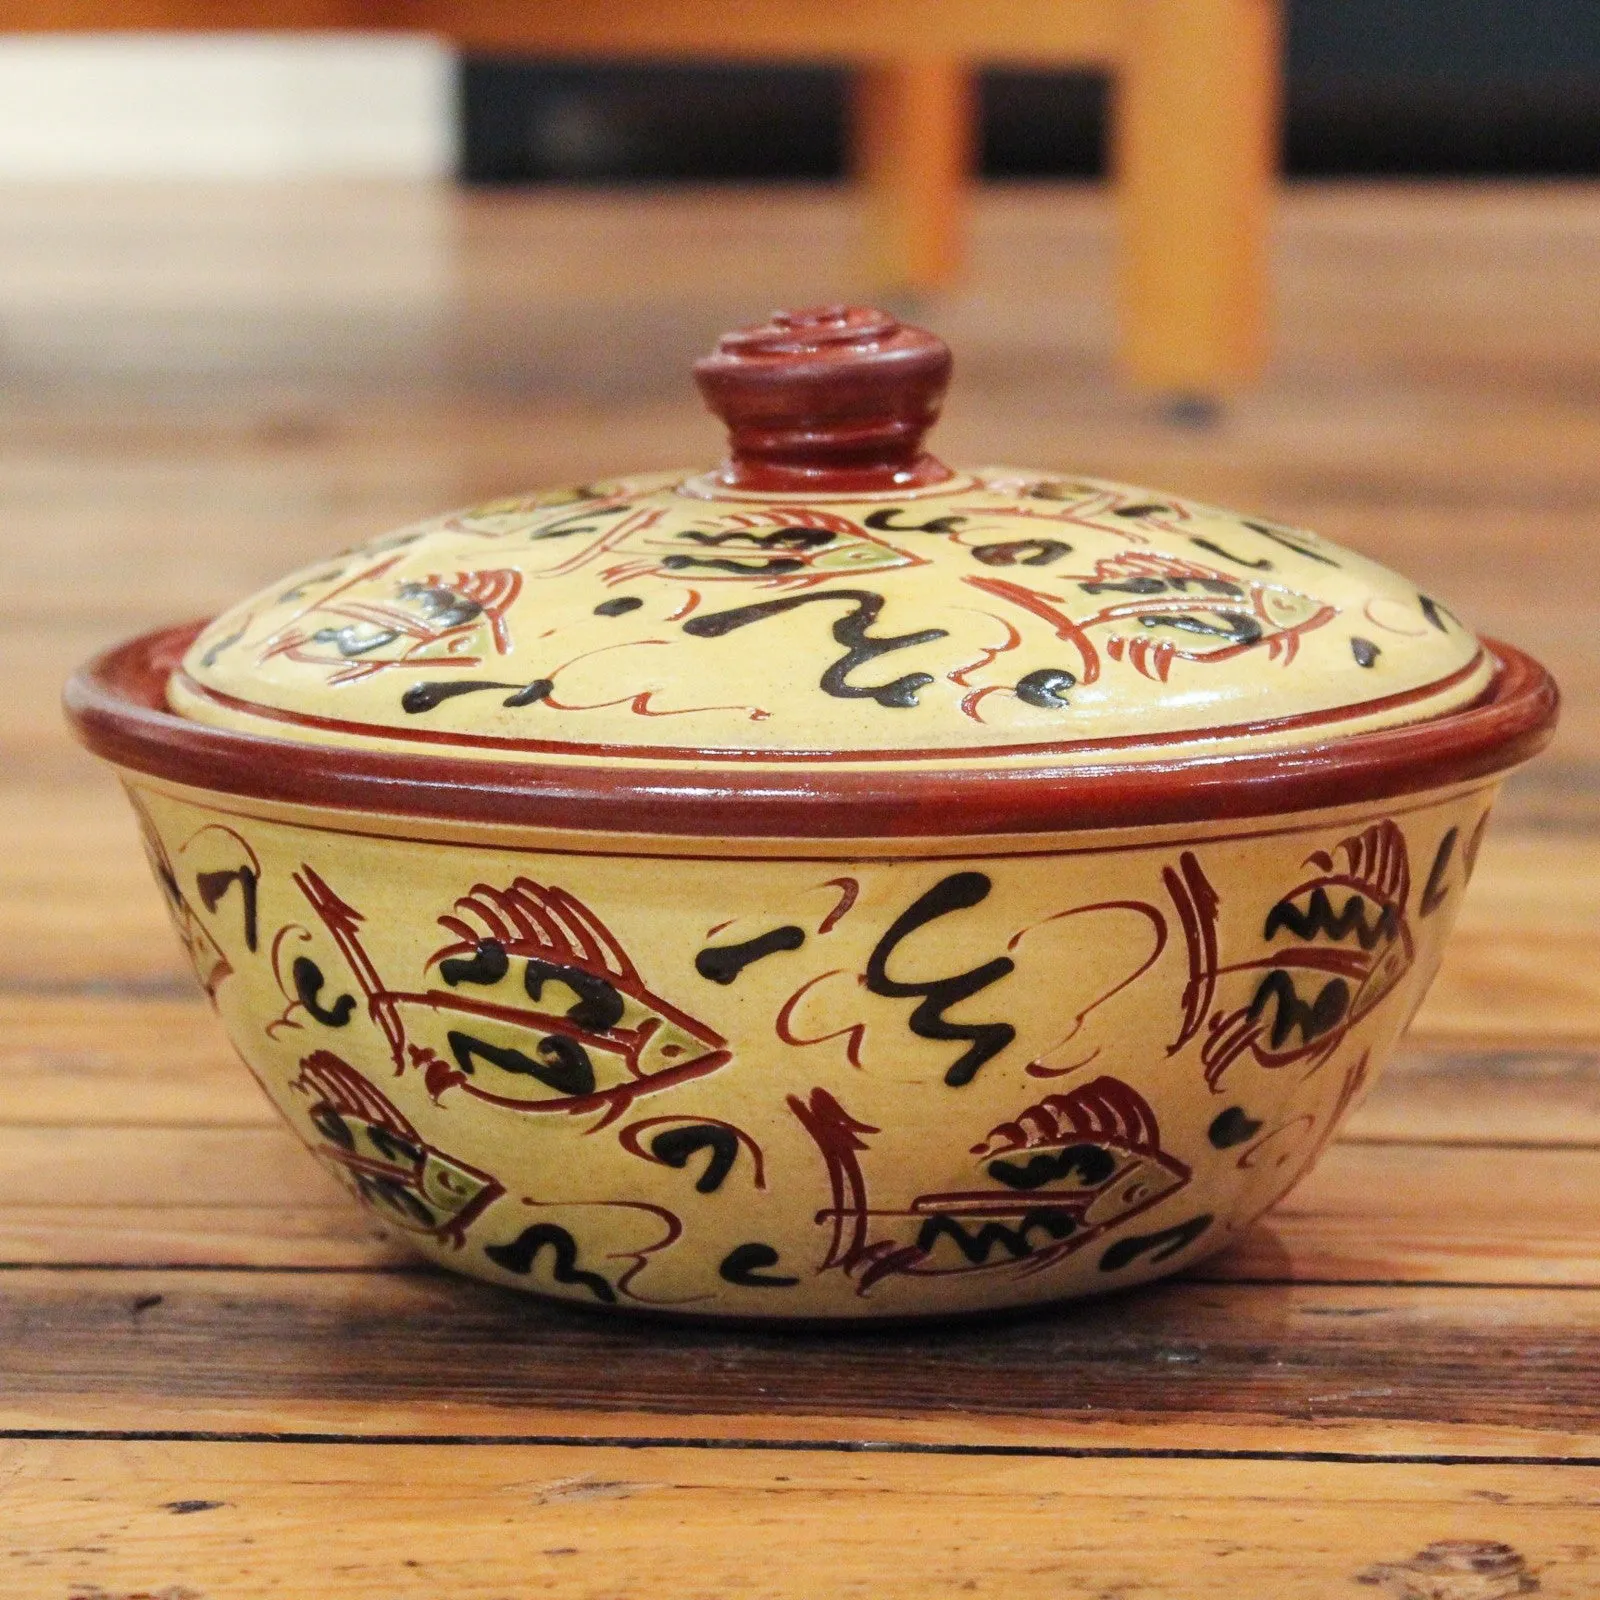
{"points": [[1405, 87]]}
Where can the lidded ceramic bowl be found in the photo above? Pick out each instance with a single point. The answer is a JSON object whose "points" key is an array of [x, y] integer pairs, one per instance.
{"points": [[831, 885]]}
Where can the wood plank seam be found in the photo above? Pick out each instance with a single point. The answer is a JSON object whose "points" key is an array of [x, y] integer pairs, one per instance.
{"points": [[799, 1446]]}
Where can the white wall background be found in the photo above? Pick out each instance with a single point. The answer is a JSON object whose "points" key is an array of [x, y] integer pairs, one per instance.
{"points": [[226, 106]]}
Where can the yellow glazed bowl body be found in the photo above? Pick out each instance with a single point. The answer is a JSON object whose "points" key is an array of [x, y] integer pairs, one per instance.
{"points": [[813, 1079], [831, 886]]}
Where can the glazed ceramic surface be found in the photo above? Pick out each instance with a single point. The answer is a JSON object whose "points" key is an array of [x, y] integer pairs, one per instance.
{"points": [[810, 1082], [829, 886], [1002, 614]]}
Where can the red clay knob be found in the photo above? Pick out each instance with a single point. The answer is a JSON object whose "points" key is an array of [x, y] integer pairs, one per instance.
{"points": [[834, 399]]}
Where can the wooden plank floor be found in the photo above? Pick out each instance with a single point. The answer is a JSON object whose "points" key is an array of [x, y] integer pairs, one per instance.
{"points": [[209, 1389]]}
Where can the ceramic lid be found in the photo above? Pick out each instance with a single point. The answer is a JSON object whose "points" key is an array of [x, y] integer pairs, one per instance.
{"points": [[833, 594]]}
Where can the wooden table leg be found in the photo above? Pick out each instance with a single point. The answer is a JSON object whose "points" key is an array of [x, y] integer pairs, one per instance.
{"points": [[913, 142], [1195, 146]]}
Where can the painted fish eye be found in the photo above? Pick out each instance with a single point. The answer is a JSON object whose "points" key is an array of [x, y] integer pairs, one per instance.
{"points": [[1137, 1185], [451, 1184], [1284, 609]]}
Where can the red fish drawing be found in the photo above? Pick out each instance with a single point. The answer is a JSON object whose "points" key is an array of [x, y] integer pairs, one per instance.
{"points": [[1174, 610], [1054, 1180], [543, 1010], [1349, 945], [441, 620], [376, 1153], [780, 545]]}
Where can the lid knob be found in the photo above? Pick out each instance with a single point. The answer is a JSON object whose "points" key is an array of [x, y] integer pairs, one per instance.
{"points": [[832, 399]]}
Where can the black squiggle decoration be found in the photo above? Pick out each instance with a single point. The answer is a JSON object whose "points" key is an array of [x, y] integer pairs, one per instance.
{"points": [[1091, 1162], [1159, 1247], [332, 1127], [304, 587], [1435, 613], [675, 1146], [1211, 547], [1146, 584], [209, 659], [565, 1066], [755, 567], [392, 1147], [1313, 1019], [563, 527], [958, 892], [850, 631], [883, 522], [351, 642], [428, 696], [1046, 688], [1280, 536], [529, 694], [978, 1243], [1320, 917], [1021, 552], [1364, 650], [308, 982], [783, 539], [489, 963], [213, 885], [520, 1254], [378, 1188], [1232, 1127], [1433, 895], [722, 963], [745, 1264], [1235, 626], [600, 1007], [620, 607]]}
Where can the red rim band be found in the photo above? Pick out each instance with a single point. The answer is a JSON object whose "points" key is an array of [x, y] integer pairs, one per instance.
{"points": [[117, 705]]}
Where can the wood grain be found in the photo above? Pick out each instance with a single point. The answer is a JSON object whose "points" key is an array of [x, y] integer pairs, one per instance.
{"points": [[400, 1348], [95, 1060], [166, 1518], [1437, 1094], [204, 385]]}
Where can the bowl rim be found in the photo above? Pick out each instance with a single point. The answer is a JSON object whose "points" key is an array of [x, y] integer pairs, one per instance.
{"points": [[117, 705]]}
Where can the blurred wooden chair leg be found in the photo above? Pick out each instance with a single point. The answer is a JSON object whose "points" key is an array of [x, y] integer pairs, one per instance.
{"points": [[912, 136], [1195, 156]]}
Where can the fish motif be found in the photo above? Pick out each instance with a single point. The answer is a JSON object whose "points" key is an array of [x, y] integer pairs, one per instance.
{"points": [[781, 545], [436, 621], [541, 1009], [1350, 946], [1050, 1182], [1174, 610], [378, 1155]]}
